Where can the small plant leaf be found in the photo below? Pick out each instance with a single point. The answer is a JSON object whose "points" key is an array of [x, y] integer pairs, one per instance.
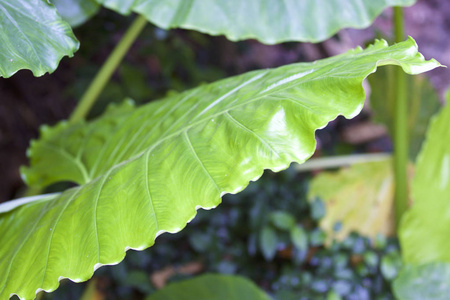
{"points": [[318, 209], [299, 238], [425, 228], [33, 36], [429, 281], [268, 241], [211, 287], [282, 220], [144, 171], [269, 21], [391, 265]]}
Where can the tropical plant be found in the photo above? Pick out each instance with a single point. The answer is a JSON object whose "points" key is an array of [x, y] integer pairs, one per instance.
{"points": [[143, 171]]}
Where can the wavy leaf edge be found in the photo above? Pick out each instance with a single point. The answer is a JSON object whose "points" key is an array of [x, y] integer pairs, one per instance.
{"points": [[172, 19], [269, 41], [151, 241], [72, 46]]}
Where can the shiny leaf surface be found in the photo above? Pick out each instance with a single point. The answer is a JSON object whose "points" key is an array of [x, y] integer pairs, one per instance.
{"points": [[33, 36], [269, 21], [145, 171], [282, 220]]}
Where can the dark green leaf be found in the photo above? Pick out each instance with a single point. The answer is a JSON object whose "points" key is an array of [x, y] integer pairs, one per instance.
{"points": [[32, 36]]}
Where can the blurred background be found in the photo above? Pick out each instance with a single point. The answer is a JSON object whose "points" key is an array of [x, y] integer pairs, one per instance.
{"points": [[250, 233]]}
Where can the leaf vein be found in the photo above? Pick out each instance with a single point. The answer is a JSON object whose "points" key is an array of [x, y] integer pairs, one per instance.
{"points": [[97, 198], [245, 128], [149, 194], [53, 231], [76, 161], [154, 127], [194, 152]]}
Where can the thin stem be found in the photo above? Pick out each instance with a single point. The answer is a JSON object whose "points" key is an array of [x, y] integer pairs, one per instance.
{"points": [[399, 31], [400, 128], [340, 161], [107, 70]]}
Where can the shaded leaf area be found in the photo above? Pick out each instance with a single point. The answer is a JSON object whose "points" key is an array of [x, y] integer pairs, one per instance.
{"points": [[425, 227], [76, 12], [269, 21], [212, 287], [33, 37], [360, 198], [423, 103], [429, 281], [145, 171]]}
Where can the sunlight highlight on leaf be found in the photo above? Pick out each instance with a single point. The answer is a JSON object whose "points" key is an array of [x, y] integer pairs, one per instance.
{"points": [[145, 171]]}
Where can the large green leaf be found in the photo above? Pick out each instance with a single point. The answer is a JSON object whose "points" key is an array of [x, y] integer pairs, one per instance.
{"points": [[76, 12], [211, 287], [269, 21], [32, 36], [423, 102], [430, 281], [145, 171], [425, 229]]}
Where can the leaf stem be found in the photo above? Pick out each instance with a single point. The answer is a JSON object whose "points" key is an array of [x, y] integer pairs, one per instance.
{"points": [[107, 70], [400, 128], [340, 161]]}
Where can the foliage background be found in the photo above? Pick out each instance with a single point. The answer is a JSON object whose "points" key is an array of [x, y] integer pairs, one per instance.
{"points": [[167, 61]]}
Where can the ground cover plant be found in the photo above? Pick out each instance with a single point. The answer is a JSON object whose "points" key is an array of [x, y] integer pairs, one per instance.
{"points": [[142, 171]]}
